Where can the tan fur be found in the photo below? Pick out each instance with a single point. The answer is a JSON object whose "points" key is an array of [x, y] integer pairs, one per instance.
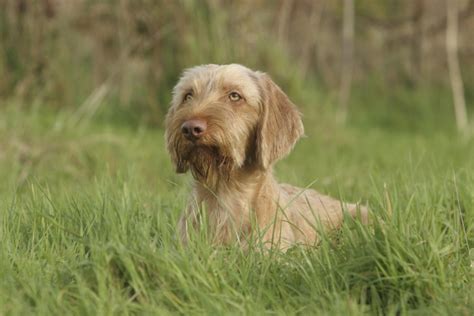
{"points": [[232, 162]]}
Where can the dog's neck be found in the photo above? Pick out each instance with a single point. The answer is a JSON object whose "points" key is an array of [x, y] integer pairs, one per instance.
{"points": [[234, 200], [235, 182]]}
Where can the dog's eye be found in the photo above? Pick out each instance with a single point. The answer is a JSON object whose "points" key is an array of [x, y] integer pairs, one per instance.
{"points": [[234, 96], [188, 96]]}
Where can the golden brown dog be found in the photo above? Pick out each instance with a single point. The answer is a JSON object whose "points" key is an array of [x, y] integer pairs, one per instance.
{"points": [[228, 125]]}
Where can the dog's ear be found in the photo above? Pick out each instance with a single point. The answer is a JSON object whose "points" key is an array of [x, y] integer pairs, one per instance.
{"points": [[279, 126]]}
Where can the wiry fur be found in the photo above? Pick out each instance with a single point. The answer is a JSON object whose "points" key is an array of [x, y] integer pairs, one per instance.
{"points": [[232, 162]]}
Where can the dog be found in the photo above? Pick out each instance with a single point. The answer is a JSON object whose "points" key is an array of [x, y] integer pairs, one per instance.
{"points": [[228, 125]]}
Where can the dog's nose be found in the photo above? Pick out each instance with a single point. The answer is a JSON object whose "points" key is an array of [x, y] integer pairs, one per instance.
{"points": [[193, 129]]}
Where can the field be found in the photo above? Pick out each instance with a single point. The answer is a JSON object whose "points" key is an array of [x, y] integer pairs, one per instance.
{"points": [[89, 201], [89, 205]]}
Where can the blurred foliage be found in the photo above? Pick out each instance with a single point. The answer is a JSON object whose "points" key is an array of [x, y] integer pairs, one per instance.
{"points": [[123, 57]]}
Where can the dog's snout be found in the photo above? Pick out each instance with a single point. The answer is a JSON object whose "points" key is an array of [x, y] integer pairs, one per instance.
{"points": [[193, 129]]}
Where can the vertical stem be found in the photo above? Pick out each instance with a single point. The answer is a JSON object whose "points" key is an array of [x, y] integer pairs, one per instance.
{"points": [[347, 59], [283, 20], [417, 39], [457, 85]]}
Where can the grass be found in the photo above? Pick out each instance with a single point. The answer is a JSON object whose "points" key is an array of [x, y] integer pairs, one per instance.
{"points": [[88, 210]]}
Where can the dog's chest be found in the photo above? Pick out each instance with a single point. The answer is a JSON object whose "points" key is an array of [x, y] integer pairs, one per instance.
{"points": [[227, 212]]}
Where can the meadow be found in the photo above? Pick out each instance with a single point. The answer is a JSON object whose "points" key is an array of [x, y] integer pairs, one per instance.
{"points": [[89, 207], [89, 201]]}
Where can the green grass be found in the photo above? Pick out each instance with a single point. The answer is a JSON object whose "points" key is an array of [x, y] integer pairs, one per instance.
{"points": [[88, 210]]}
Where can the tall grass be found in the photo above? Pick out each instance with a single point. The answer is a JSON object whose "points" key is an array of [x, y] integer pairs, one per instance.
{"points": [[88, 215]]}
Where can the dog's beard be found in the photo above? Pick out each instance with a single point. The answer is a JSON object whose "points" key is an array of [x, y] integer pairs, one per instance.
{"points": [[207, 163]]}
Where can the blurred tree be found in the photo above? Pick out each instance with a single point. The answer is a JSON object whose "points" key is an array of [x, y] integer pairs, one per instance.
{"points": [[63, 53]]}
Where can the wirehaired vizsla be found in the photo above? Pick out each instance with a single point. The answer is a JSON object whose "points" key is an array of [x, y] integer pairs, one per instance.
{"points": [[228, 125]]}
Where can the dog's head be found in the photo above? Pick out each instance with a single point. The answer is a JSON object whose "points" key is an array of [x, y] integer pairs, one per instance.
{"points": [[225, 117]]}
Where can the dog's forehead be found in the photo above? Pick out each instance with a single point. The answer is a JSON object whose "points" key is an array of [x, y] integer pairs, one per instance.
{"points": [[213, 77]]}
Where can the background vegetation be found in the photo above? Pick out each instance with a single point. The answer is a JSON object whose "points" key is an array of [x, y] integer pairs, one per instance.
{"points": [[88, 198]]}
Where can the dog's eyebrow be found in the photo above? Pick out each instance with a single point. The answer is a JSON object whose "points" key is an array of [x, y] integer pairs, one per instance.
{"points": [[232, 86], [209, 84], [197, 86]]}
